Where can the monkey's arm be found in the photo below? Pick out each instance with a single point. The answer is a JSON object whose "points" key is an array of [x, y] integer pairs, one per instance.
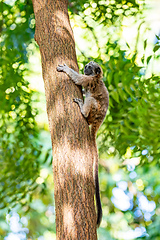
{"points": [[77, 78]]}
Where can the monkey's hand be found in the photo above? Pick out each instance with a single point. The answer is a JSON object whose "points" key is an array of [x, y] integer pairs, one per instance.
{"points": [[74, 76], [62, 68]]}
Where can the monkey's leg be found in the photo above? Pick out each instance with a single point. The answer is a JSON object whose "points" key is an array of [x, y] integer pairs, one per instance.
{"points": [[86, 106], [80, 103]]}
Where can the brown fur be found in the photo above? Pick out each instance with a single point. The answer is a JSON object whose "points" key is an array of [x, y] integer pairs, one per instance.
{"points": [[93, 109]]}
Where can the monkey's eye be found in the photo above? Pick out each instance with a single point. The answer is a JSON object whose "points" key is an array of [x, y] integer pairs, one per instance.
{"points": [[97, 70], [89, 67]]}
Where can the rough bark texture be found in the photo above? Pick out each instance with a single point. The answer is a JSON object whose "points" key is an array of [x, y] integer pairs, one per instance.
{"points": [[72, 157]]}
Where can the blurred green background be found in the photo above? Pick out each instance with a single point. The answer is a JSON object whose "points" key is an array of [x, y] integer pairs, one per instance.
{"points": [[124, 38]]}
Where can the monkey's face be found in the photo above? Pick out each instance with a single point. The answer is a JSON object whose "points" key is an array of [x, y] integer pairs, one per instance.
{"points": [[92, 69]]}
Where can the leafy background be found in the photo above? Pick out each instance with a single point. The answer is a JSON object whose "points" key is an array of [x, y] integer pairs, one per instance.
{"points": [[120, 37]]}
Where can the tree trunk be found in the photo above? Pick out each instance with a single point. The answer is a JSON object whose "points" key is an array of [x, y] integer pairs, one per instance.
{"points": [[72, 157]]}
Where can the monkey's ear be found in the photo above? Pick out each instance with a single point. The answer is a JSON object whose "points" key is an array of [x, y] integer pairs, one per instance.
{"points": [[97, 70]]}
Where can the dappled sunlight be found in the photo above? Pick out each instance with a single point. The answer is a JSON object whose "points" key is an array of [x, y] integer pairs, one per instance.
{"points": [[64, 151], [130, 234], [124, 38], [63, 24], [68, 220], [121, 200]]}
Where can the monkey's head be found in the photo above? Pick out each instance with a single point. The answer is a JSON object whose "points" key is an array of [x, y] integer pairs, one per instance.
{"points": [[93, 69]]}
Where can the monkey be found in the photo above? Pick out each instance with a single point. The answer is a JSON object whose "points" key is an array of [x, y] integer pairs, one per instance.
{"points": [[93, 108]]}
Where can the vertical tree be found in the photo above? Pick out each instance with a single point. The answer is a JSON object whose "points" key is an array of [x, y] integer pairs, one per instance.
{"points": [[72, 157]]}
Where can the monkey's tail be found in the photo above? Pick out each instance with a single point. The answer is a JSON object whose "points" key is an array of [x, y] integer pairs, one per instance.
{"points": [[96, 179]]}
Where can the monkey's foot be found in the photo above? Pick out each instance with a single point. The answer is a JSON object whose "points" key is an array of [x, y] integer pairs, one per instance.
{"points": [[77, 100]]}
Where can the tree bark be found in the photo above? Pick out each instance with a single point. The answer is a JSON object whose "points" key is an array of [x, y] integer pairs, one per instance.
{"points": [[72, 157]]}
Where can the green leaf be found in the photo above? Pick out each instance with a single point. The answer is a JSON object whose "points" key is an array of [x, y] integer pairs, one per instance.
{"points": [[148, 59], [142, 59], [145, 44], [115, 95], [110, 77], [116, 78], [127, 45], [156, 47], [122, 94]]}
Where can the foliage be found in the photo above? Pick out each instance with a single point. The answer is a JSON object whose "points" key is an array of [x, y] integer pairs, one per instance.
{"points": [[104, 12], [132, 95], [19, 150], [128, 140], [131, 129]]}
